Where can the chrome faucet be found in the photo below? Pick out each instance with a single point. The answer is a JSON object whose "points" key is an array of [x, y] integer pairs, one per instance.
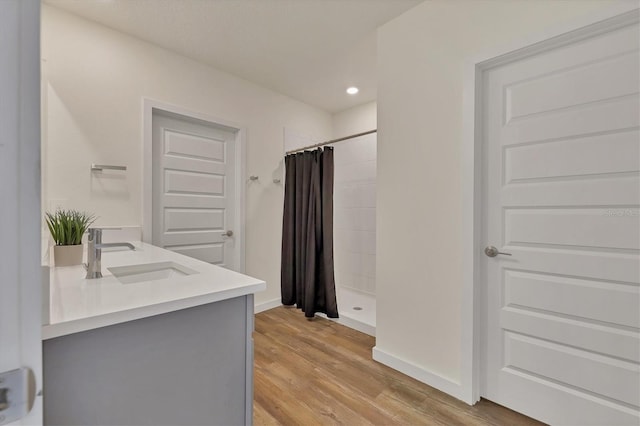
{"points": [[94, 252]]}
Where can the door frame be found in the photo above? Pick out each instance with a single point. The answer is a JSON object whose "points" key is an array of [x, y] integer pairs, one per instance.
{"points": [[23, 278], [604, 20], [148, 105]]}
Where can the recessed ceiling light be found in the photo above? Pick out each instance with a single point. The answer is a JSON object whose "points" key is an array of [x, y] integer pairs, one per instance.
{"points": [[352, 90]]}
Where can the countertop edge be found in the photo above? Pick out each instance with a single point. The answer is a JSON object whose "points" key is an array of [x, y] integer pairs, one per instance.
{"points": [[51, 331]]}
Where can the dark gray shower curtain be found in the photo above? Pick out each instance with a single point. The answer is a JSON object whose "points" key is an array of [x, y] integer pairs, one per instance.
{"points": [[307, 276]]}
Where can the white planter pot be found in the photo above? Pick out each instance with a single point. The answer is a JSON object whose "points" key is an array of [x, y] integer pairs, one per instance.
{"points": [[67, 255]]}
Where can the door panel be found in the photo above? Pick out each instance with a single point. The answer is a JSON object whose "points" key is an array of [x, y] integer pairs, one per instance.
{"points": [[196, 165], [619, 115], [574, 86], [183, 182], [193, 219], [194, 193], [566, 226], [193, 146], [599, 301], [603, 154], [591, 336], [577, 192], [574, 368], [174, 239], [562, 196]]}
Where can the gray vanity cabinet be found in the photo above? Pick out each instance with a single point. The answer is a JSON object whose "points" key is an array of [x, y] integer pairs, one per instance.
{"points": [[187, 367]]}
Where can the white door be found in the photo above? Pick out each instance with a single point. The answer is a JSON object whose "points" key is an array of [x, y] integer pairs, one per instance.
{"points": [[194, 194], [562, 196], [20, 271]]}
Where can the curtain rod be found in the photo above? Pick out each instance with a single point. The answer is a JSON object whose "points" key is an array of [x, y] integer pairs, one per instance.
{"points": [[332, 141]]}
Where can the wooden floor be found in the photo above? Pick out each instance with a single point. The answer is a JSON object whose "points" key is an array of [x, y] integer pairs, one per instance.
{"points": [[321, 373]]}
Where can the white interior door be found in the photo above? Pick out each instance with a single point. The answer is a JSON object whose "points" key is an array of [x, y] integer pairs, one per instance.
{"points": [[20, 272], [562, 191], [194, 194]]}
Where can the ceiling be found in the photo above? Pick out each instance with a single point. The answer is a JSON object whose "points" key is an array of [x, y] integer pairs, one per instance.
{"points": [[310, 50]]}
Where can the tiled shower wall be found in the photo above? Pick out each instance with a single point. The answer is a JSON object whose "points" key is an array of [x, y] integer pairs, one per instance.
{"points": [[355, 213]]}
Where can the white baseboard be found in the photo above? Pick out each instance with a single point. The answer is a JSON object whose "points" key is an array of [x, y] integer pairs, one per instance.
{"points": [[432, 379], [265, 306]]}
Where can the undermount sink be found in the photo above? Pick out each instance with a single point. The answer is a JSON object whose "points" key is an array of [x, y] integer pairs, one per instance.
{"points": [[149, 272]]}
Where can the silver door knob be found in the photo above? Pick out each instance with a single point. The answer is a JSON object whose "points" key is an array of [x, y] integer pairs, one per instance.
{"points": [[491, 251], [228, 234]]}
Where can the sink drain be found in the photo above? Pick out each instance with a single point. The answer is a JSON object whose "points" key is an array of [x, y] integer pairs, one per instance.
{"points": [[357, 308]]}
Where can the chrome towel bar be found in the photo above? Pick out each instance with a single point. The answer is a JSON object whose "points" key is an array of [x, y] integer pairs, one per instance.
{"points": [[99, 167]]}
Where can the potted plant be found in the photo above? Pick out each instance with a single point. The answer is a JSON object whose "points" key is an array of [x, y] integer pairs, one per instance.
{"points": [[67, 228]]}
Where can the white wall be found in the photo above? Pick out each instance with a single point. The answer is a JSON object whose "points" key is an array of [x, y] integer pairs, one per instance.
{"points": [[421, 66], [358, 119], [94, 80]]}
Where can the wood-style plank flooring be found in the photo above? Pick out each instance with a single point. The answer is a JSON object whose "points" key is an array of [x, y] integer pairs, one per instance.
{"points": [[321, 373]]}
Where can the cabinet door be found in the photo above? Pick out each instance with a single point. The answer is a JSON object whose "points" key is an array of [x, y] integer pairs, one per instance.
{"points": [[183, 368]]}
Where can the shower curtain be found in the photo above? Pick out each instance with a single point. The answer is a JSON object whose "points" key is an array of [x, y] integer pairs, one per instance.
{"points": [[307, 276]]}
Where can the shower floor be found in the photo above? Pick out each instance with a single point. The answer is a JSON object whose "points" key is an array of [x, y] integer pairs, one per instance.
{"points": [[363, 319]]}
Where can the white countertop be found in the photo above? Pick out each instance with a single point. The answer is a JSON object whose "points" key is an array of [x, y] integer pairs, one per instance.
{"points": [[77, 304]]}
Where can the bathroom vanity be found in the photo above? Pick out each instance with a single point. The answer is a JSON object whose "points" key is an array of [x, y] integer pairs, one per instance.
{"points": [[161, 339]]}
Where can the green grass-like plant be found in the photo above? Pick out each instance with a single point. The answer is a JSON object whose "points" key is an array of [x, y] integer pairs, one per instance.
{"points": [[68, 226]]}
